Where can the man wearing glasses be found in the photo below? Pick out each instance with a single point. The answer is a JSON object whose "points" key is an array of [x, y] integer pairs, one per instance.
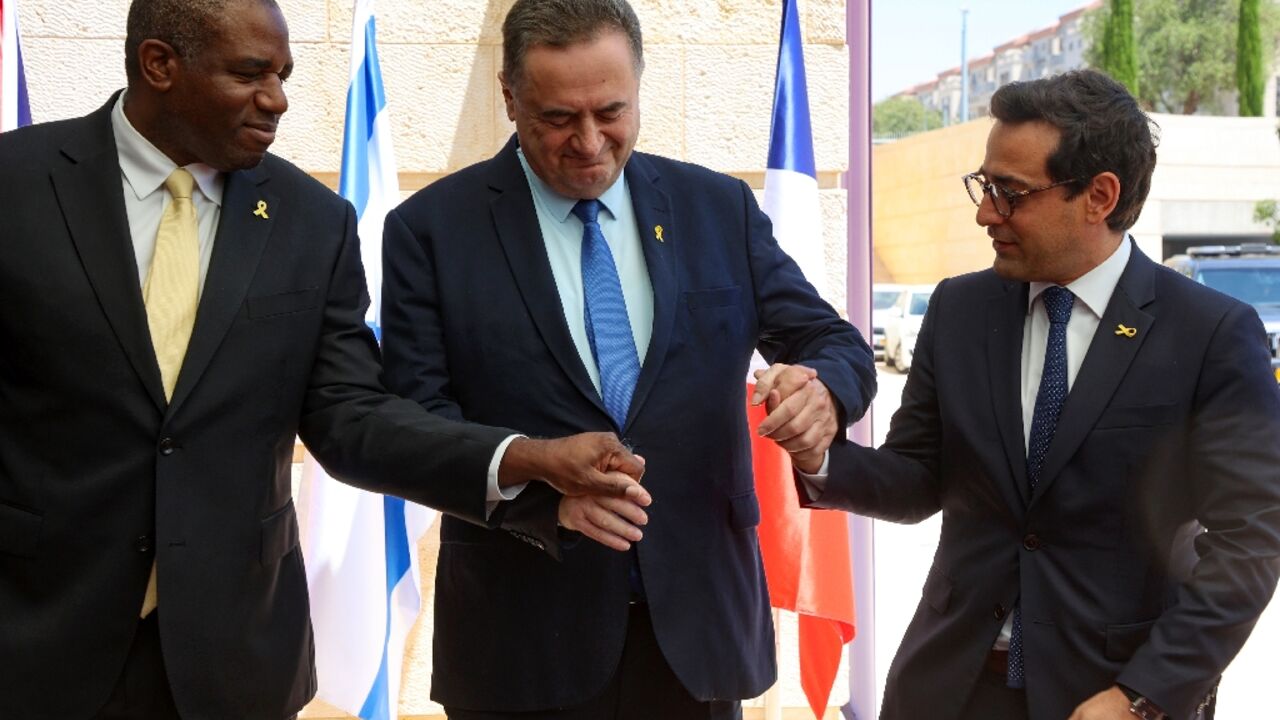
{"points": [[1101, 435]]}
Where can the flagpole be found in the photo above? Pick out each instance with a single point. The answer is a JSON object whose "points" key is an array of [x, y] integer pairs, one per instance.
{"points": [[862, 666]]}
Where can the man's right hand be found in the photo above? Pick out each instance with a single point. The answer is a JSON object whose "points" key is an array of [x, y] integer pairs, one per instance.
{"points": [[610, 521], [583, 464]]}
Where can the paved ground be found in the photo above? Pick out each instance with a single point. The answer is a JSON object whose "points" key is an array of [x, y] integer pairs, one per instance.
{"points": [[903, 554]]}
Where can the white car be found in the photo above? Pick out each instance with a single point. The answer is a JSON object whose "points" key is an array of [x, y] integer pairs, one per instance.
{"points": [[900, 332], [884, 307]]}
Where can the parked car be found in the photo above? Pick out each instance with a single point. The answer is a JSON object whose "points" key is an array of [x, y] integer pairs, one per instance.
{"points": [[884, 307], [1249, 272], [900, 332]]}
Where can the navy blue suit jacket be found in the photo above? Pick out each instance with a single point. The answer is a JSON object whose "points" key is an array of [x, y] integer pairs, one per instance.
{"points": [[473, 328], [1152, 541]]}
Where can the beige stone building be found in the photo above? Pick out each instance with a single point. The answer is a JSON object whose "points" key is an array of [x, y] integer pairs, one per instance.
{"points": [[706, 97]]}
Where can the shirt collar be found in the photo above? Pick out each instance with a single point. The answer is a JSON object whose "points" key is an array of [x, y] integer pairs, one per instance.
{"points": [[146, 168], [1095, 287], [558, 206]]}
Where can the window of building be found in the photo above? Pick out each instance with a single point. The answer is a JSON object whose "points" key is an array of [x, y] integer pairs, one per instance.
{"points": [[991, 74], [1057, 45], [1004, 78]]}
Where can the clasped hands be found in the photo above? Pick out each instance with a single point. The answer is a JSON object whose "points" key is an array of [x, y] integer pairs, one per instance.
{"points": [[802, 416], [598, 477]]}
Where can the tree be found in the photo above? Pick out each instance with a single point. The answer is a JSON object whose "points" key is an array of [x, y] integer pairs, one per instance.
{"points": [[1250, 80], [1119, 56], [901, 116], [1268, 211], [1186, 50]]}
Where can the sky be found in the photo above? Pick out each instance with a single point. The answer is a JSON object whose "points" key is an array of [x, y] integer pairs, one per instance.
{"points": [[914, 40]]}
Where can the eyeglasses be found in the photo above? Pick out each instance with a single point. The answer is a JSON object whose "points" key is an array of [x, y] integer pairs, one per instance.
{"points": [[1003, 199]]}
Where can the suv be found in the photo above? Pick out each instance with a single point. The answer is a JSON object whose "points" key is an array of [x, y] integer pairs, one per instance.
{"points": [[900, 330], [1250, 273]]}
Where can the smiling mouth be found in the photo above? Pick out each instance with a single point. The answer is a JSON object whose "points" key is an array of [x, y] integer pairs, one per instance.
{"points": [[262, 132]]}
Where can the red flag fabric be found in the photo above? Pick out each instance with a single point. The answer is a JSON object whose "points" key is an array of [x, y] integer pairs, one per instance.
{"points": [[806, 565]]}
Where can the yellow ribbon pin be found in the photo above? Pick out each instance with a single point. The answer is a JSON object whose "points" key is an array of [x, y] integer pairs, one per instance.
{"points": [[262, 210], [1126, 331], [657, 232]]}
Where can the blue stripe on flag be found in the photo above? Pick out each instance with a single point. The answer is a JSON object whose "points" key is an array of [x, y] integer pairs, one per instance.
{"points": [[791, 139], [24, 107], [397, 542], [365, 99]]}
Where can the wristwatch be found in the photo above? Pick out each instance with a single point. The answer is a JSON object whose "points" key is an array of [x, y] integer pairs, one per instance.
{"points": [[1141, 707]]}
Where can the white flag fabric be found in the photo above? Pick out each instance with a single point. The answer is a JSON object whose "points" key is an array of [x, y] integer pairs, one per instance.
{"points": [[361, 547], [15, 111]]}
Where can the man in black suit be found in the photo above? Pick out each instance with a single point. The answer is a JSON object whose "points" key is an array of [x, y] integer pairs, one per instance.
{"points": [[497, 308], [144, 466], [1100, 434]]}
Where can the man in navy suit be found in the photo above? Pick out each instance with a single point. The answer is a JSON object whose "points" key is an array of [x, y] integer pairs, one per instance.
{"points": [[1100, 434], [497, 307]]}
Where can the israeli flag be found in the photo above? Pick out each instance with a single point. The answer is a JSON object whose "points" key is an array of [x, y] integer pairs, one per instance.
{"points": [[360, 547], [791, 178], [15, 110]]}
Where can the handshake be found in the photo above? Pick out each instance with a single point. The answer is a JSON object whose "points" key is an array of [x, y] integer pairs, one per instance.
{"points": [[600, 478]]}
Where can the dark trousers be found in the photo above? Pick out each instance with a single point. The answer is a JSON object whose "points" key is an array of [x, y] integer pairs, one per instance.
{"points": [[142, 692], [643, 688], [992, 699]]}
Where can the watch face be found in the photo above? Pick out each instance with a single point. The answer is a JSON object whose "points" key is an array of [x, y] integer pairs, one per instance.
{"points": [[1144, 709]]}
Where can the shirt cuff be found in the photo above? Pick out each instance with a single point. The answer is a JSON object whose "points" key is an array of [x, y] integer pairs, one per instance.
{"points": [[816, 483], [495, 494]]}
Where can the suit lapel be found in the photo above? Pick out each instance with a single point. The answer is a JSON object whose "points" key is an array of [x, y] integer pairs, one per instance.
{"points": [[238, 246], [89, 193], [516, 222], [1104, 366], [1006, 318], [653, 209]]}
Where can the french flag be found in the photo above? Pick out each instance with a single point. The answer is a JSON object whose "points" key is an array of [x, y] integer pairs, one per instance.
{"points": [[805, 552], [15, 110], [360, 547]]}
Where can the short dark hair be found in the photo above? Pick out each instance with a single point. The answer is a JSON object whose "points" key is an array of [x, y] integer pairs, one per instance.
{"points": [[1102, 129], [185, 25], [560, 23]]}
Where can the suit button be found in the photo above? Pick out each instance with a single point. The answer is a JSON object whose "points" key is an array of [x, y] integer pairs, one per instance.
{"points": [[1031, 542], [168, 445], [999, 612], [143, 544]]}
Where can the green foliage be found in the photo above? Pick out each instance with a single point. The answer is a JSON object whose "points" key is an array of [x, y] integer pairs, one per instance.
{"points": [[1268, 211], [1119, 57], [901, 116], [1250, 81], [1186, 50]]}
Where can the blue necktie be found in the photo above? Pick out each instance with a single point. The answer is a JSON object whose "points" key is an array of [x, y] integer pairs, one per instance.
{"points": [[605, 312], [609, 333], [1044, 420]]}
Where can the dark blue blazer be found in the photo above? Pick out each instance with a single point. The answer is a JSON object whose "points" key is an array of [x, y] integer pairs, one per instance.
{"points": [[473, 328], [1152, 541]]}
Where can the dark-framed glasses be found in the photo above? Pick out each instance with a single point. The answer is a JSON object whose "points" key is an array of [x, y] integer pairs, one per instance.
{"points": [[1003, 199]]}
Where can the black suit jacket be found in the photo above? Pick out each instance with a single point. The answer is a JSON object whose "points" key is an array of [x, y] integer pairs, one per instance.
{"points": [[473, 328], [99, 476], [1150, 545]]}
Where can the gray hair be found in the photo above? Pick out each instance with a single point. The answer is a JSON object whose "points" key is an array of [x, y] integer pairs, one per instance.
{"points": [[185, 25], [560, 23]]}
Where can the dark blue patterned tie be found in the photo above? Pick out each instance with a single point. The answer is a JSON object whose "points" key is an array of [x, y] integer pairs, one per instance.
{"points": [[605, 311], [1044, 420]]}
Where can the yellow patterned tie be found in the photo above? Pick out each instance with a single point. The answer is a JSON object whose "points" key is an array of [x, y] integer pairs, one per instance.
{"points": [[170, 293]]}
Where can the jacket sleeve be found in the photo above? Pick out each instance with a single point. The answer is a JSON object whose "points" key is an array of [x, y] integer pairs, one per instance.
{"points": [[798, 327], [367, 437], [899, 481], [1234, 450]]}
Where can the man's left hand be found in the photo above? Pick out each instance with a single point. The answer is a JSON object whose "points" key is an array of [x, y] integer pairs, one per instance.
{"points": [[1111, 704], [802, 415]]}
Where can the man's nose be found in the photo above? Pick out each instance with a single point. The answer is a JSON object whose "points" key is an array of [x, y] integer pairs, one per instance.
{"points": [[987, 215], [271, 97]]}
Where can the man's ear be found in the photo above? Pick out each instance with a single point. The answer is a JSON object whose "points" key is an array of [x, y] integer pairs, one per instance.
{"points": [[1101, 195], [507, 97], [159, 64]]}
